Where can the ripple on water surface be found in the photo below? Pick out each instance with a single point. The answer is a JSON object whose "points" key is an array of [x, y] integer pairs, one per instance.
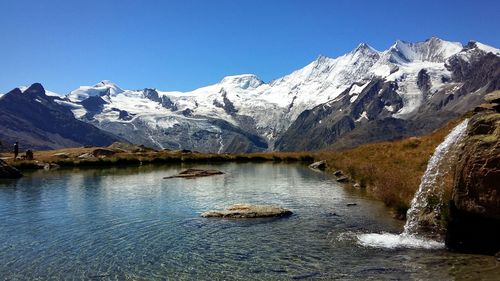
{"points": [[130, 224]]}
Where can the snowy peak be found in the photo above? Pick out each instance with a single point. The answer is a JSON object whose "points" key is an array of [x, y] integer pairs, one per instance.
{"points": [[108, 84], [103, 88], [364, 49], [430, 50], [483, 47], [243, 81]]}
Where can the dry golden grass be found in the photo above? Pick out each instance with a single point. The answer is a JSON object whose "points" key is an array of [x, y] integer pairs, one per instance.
{"points": [[71, 159], [391, 171]]}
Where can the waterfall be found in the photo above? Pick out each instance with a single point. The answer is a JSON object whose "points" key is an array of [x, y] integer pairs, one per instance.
{"points": [[426, 206]]}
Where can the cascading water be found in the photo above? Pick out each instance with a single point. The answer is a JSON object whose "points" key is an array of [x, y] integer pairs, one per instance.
{"points": [[426, 206]]}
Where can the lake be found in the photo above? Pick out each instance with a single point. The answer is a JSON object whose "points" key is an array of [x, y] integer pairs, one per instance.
{"points": [[130, 223]]}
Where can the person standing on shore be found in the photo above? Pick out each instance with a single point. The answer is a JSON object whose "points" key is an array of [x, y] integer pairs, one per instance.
{"points": [[16, 150]]}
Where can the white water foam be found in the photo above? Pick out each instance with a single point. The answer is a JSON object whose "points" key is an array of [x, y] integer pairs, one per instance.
{"points": [[393, 241], [429, 185], [432, 183]]}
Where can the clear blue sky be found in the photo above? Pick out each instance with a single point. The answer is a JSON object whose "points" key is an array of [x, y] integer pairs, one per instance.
{"points": [[185, 44]]}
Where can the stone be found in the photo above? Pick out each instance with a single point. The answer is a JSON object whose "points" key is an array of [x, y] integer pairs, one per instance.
{"points": [[86, 156], [343, 179], [8, 172], [98, 152], [320, 165], [474, 215], [50, 166], [62, 155], [195, 173], [248, 211], [338, 173]]}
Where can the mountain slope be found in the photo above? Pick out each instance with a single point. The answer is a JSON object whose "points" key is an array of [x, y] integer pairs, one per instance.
{"points": [[363, 96], [416, 98], [38, 121]]}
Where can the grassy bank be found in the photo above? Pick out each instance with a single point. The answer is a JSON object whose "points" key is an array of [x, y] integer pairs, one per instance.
{"points": [[69, 157], [390, 171]]}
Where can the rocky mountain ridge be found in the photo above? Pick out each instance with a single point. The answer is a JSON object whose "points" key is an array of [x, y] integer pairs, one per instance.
{"points": [[362, 96]]}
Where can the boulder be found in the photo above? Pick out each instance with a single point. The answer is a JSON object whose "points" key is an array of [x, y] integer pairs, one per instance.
{"points": [[320, 165], [51, 166], [474, 220], [338, 173], [98, 152], [127, 147], [343, 179], [62, 155], [86, 156], [8, 172], [195, 173], [248, 211]]}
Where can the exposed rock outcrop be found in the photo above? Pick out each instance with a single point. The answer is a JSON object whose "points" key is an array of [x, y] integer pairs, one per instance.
{"points": [[40, 121], [474, 223], [320, 165], [195, 173], [248, 211], [8, 172]]}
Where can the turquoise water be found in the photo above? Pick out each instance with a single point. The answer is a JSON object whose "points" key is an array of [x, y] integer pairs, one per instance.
{"points": [[130, 224]]}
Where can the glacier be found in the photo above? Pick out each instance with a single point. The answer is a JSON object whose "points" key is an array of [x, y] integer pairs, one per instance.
{"points": [[242, 113]]}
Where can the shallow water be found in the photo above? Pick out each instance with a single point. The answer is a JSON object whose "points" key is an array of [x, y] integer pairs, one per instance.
{"points": [[116, 224]]}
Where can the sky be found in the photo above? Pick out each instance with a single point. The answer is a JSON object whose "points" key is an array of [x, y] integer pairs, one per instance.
{"points": [[186, 44]]}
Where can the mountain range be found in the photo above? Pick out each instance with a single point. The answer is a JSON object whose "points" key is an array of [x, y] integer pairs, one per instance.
{"points": [[363, 96]]}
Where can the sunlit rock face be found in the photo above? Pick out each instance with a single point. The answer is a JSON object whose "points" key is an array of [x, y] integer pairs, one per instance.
{"points": [[38, 119], [475, 208]]}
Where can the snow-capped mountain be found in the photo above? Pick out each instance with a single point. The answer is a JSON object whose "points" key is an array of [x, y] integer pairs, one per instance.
{"points": [[325, 102], [36, 119]]}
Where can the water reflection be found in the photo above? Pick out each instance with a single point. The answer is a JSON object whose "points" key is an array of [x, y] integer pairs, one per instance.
{"points": [[130, 223]]}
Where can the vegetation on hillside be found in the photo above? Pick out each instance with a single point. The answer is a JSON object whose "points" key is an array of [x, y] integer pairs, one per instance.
{"points": [[390, 171]]}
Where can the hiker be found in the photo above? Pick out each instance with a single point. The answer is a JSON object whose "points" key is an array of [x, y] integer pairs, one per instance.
{"points": [[16, 150], [29, 154]]}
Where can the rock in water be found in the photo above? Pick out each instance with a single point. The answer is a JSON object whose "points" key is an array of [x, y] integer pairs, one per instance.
{"points": [[248, 211], [8, 172], [195, 173], [474, 222], [320, 165]]}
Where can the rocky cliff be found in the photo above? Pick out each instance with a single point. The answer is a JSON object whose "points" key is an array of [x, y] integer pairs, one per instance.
{"points": [[41, 121], [474, 222]]}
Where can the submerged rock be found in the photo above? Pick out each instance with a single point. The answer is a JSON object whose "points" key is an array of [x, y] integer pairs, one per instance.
{"points": [[8, 172], [195, 173], [474, 221], [320, 165], [248, 211], [50, 166]]}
